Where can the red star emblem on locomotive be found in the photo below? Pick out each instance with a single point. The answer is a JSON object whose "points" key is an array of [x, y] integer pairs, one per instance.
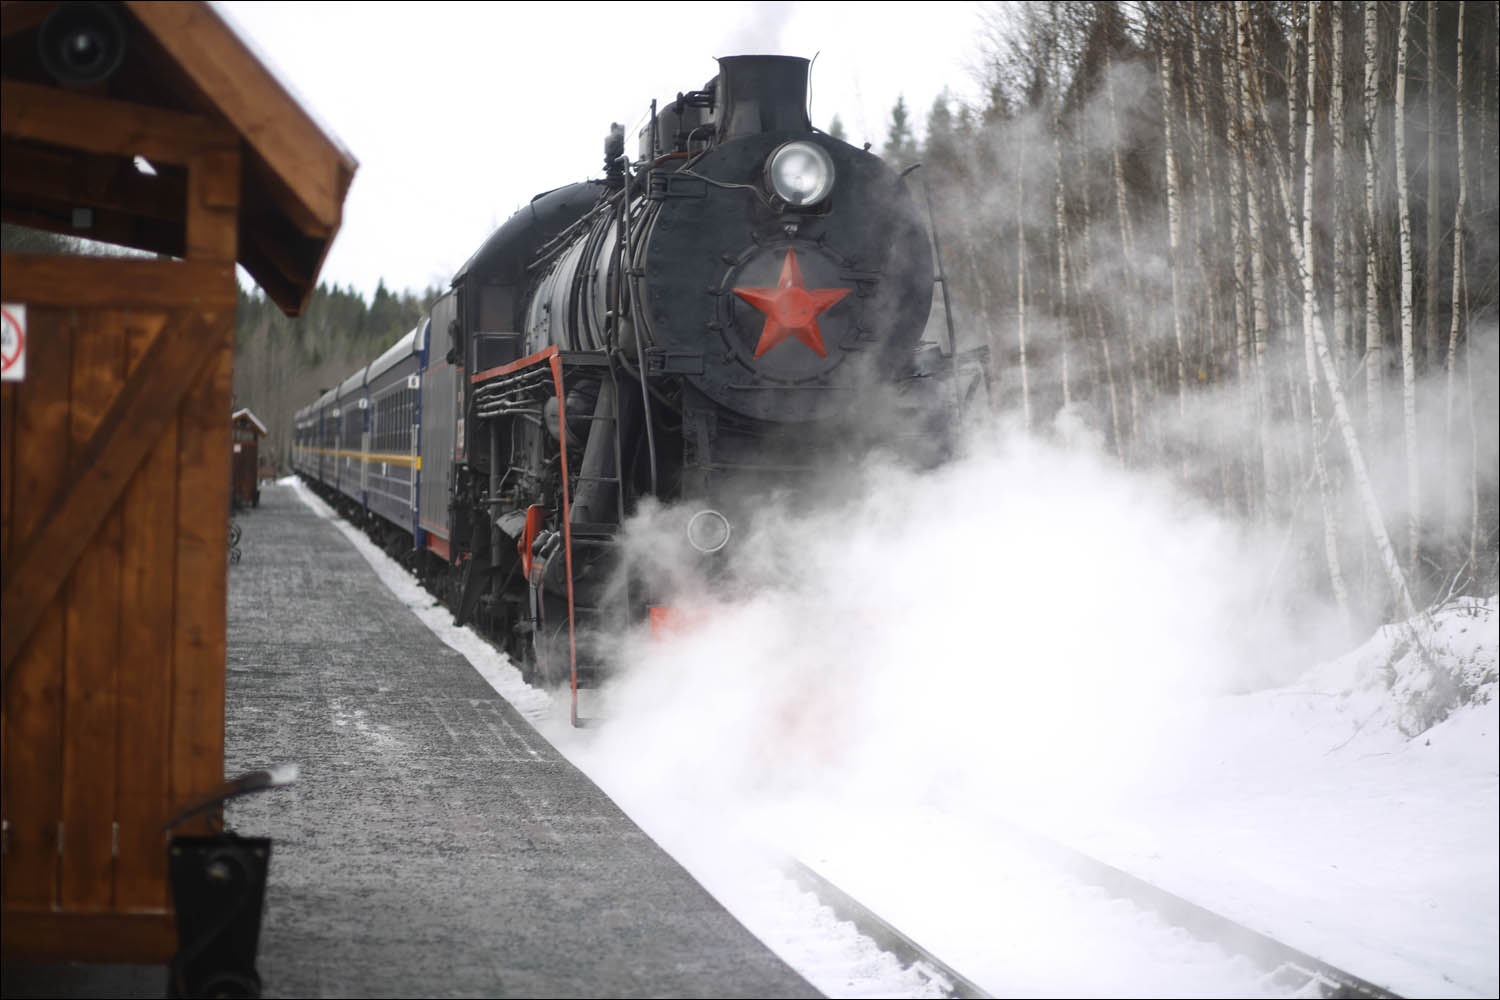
{"points": [[791, 308]]}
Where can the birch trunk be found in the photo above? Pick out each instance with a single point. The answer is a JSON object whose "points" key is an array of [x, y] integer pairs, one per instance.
{"points": [[1060, 211], [1309, 311], [1260, 310], [1174, 218], [1234, 100], [1205, 245], [1408, 357], [1434, 238], [1085, 284], [1021, 285], [1127, 252], [1374, 336], [1451, 361], [1340, 218]]}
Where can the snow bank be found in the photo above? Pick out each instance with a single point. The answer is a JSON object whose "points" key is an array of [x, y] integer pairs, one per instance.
{"points": [[1416, 674]]}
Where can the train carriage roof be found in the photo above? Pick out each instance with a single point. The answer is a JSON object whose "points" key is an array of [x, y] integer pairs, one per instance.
{"points": [[182, 59], [352, 385], [397, 352]]}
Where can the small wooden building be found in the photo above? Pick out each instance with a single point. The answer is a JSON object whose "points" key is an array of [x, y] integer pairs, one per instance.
{"points": [[153, 126], [245, 432]]}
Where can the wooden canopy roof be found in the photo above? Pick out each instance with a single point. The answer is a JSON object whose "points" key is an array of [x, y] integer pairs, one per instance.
{"points": [[69, 151]]}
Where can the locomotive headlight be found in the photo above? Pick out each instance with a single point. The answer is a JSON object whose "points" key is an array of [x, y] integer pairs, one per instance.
{"points": [[800, 173]]}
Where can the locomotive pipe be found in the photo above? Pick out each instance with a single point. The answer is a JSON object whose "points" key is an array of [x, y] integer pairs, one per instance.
{"points": [[942, 277], [598, 477], [495, 480], [640, 351]]}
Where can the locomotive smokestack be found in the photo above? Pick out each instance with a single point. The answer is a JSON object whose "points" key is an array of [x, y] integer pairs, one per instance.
{"points": [[762, 94]]}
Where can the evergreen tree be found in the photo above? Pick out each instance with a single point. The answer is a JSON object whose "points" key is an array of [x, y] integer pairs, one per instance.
{"points": [[836, 129], [943, 153], [900, 146]]}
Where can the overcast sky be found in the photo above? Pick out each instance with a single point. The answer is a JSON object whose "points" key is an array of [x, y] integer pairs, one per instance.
{"points": [[460, 113]]}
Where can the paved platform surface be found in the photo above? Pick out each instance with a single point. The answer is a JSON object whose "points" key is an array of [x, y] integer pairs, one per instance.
{"points": [[434, 844]]}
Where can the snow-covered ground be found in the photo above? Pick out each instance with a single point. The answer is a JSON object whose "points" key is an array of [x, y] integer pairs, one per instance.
{"points": [[893, 736]]}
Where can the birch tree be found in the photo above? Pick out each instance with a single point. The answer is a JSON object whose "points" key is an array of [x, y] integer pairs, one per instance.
{"points": [[1450, 361], [1408, 357], [1260, 312], [1021, 153], [1434, 240], [1127, 250], [1370, 503], [1374, 336], [1340, 219], [1060, 207], [1174, 215], [1309, 313]]}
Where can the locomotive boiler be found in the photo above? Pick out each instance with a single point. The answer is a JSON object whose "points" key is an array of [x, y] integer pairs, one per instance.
{"points": [[709, 321]]}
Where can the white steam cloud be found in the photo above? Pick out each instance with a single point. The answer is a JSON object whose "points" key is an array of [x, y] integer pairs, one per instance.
{"points": [[1016, 624]]}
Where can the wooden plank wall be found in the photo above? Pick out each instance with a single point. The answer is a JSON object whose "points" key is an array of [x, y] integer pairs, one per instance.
{"points": [[114, 707]]}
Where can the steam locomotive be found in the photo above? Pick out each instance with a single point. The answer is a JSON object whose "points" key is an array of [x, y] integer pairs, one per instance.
{"points": [[718, 316]]}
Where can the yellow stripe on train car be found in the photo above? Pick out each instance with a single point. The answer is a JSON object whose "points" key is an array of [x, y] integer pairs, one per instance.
{"points": [[390, 458]]}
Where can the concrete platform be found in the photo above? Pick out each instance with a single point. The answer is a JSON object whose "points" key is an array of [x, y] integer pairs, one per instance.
{"points": [[435, 844]]}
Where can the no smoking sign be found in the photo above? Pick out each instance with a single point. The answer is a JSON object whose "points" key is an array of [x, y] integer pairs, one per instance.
{"points": [[13, 342]]}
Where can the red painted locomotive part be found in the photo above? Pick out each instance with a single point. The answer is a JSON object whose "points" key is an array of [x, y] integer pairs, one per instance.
{"points": [[514, 366], [555, 361], [438, 545], [534, 515]]}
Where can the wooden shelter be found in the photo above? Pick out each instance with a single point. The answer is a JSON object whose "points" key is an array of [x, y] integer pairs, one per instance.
{"points": [[114, 487], [245, 431]]}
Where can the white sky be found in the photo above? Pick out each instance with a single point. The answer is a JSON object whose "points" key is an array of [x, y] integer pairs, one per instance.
{"points": [[460, 113]]}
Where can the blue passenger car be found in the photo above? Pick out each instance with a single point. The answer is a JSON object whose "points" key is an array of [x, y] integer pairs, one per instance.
{"points": [[353, 412], [393, 463]]}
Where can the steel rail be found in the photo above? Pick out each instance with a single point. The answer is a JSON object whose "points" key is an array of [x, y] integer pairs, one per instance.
{"points": [[877, 929], [1284, 962]]}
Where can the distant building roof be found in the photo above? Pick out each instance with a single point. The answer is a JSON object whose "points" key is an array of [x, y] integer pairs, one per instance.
{"points": [[245, 414], [179, 57]]}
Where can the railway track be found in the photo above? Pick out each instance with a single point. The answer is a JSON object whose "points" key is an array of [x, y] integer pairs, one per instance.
{"points": [[1286, 970], [873, 926]]}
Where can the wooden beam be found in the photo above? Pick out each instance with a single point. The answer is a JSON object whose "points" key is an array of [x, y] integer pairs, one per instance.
{"points": [[134, 231], [68, 176], [276, 252], [104, 125], [213, 205], [280, 199], [316, 169], [50, 936], [97, 478], [18, 17], [60, 280]]}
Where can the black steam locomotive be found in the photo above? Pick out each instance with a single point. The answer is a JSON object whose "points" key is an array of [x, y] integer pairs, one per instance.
{"points": [[720, 315]]}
